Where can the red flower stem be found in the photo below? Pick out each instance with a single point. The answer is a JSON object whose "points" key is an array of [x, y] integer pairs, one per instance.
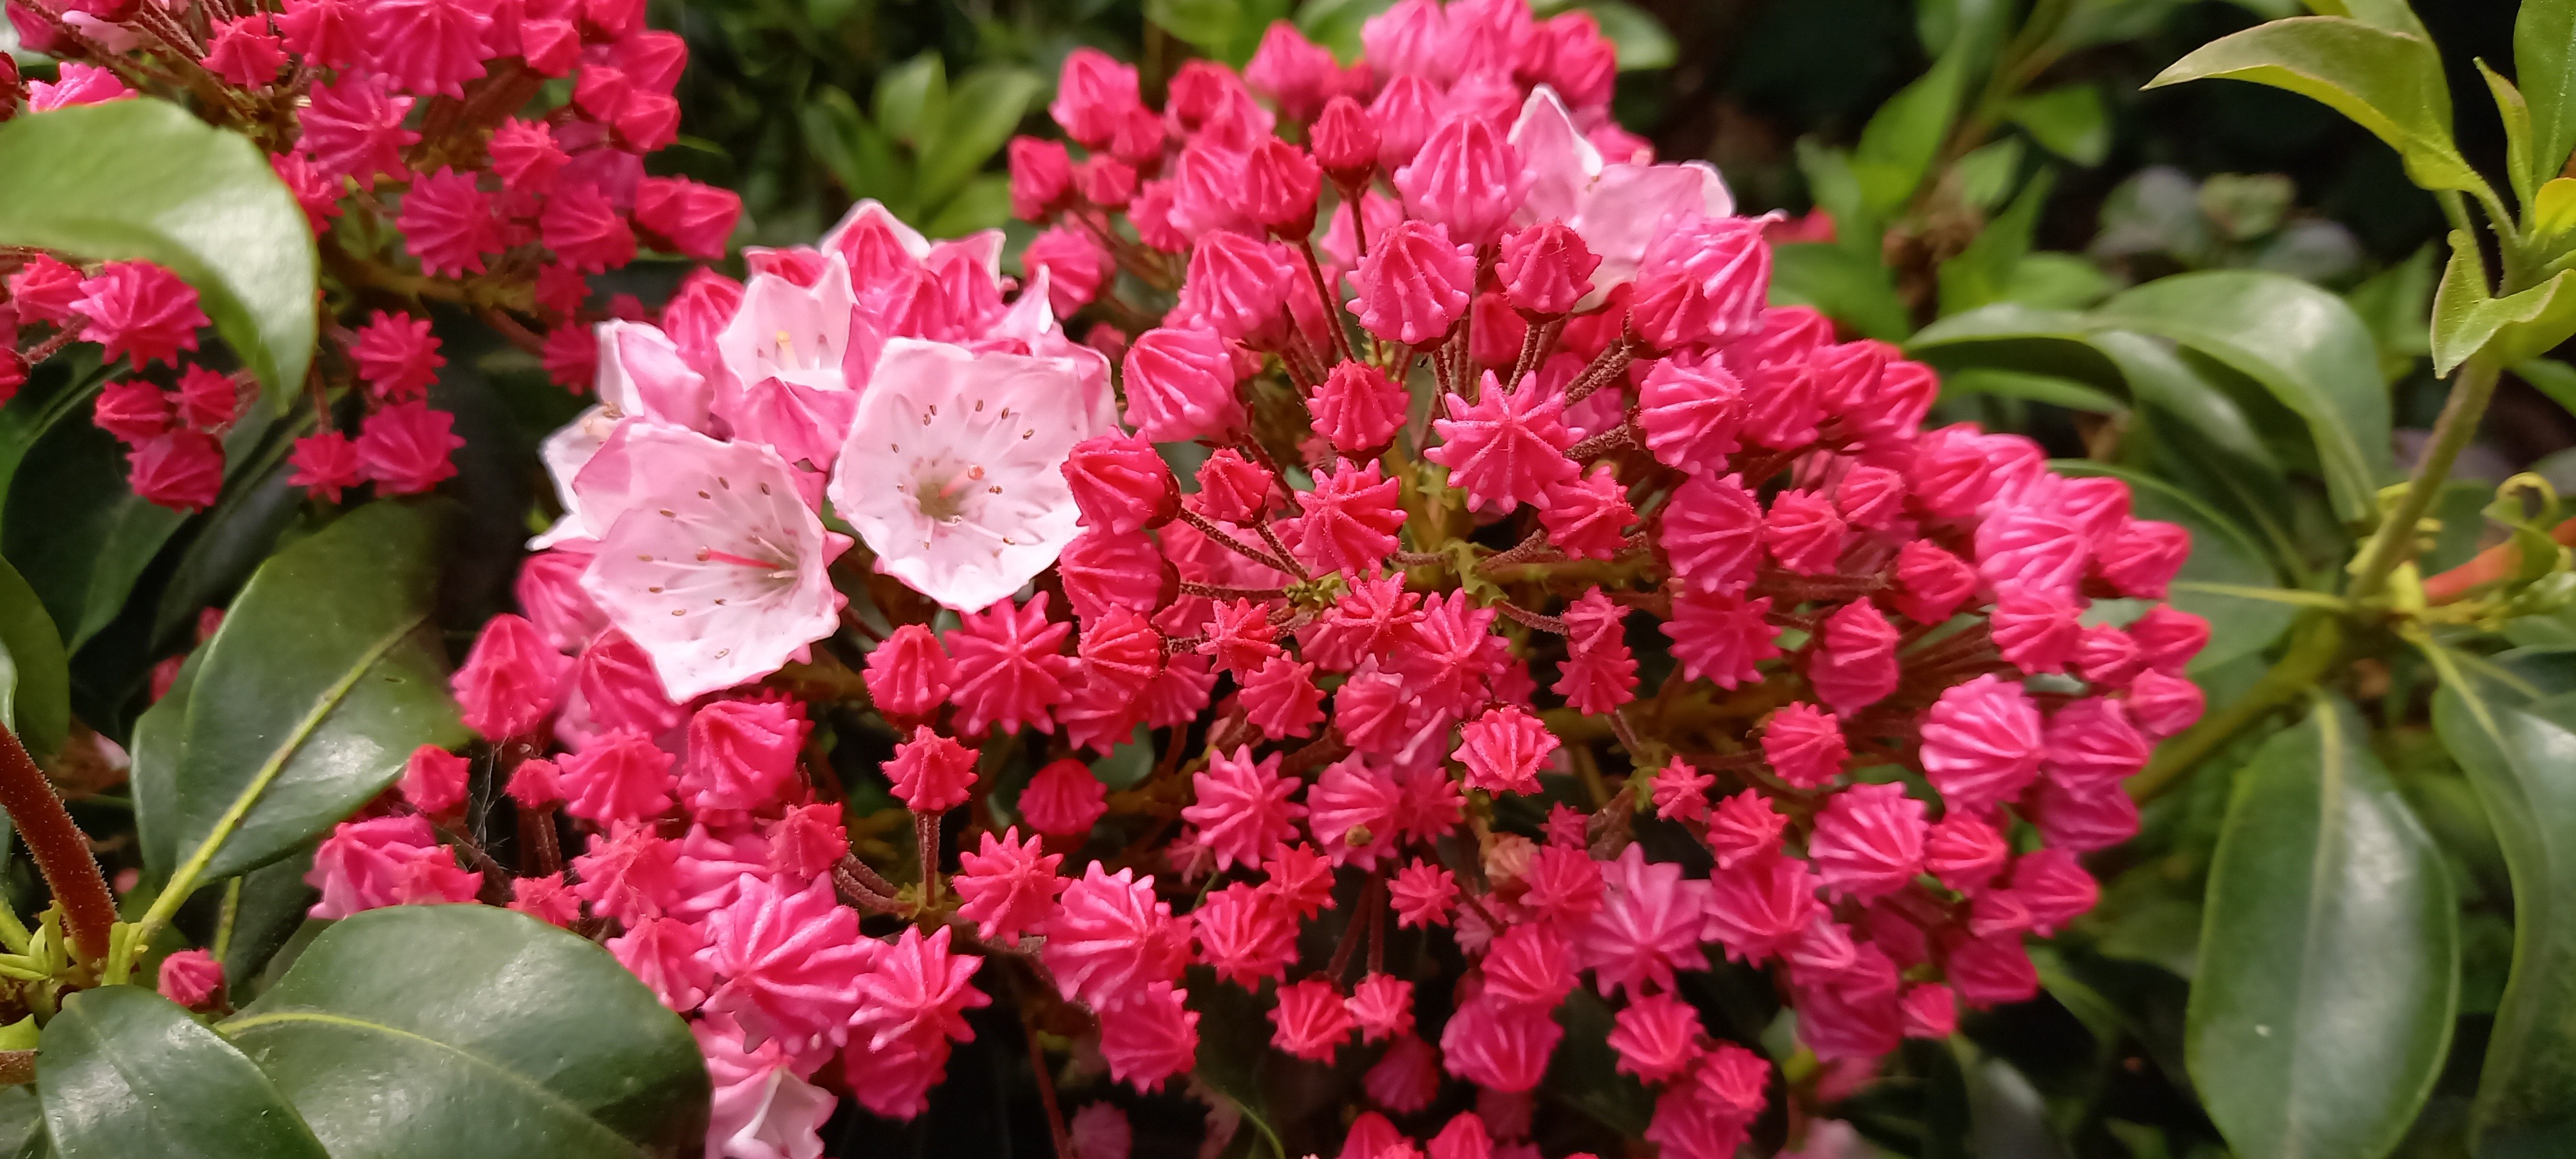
{"points": [[1531, 620], [1046, 1087], [1226, 539], [1612, 362], [1222, 592], [1371, 894], [61, 851], [925, 835], [54, 345], [1324, 293], [1616, 438], [1270, 537]]}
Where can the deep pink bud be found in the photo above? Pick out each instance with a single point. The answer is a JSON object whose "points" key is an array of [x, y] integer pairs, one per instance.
{"points": [[1508, 447], [1503, 750], [44, 290], [1041, 178], [191, 978], [687, 217], [1092, 95], [1103, 569], [434, 779], [1991, 971], [931, 773], [1588, 518], [536, 784], [325, 464], [1358, 409], [140, 309], [1404, 114], [908, 675], [132, 410], [1466, 177], [1868, 841], [1931, 583], [1180, 385], [2164, 704], [1233, 489], [2037, 635], [583, 228], [2143, 557], [245, 52], [1804, 533], [1413, 284], [1076, 266], [396, 355], [1963, 851], [449, 223], [1805, 745], [2169, 637], [182, 470], [1981, 743], [1121, 483], [1712, 531], [1350, 520], [2091, 741], [1280, 185], [1546, 269], [1702, 282], [1345, 141], [1871, 498], [510, 680], [208, 400], [405, 447], [1855, 665], [1236, 286], [2083, 818], [1294, 72]]}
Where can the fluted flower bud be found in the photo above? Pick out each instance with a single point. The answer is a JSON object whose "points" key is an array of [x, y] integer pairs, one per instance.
{"points": [[1280, 183], [1346, 143], [1121, 483], [1546, 269]]}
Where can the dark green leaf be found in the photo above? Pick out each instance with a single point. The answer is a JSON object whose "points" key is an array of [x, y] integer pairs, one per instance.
{"points": [[497, 1035], [982, 114], [125, 1072], [1830, 181], [81, 536], [2550, 377], [1640, 39], [1848, 287], [158, 735], [325, 676], [1978, 274], [2221, 555], [2303, 344], [274, 900], [912, 99], [1898, 144], [175, 190], [984, 203], [2388, 82], [1335, 24], [2544, 67], [35, 691], [1986, 175], [2329, 961], [2517, 752], [2394, 302], [2054, 281], [22, 1124], [2069, 122], [2047, 388]]}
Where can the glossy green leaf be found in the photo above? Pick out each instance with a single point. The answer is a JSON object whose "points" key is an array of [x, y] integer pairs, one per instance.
{"points": [[984, 202], [2329, 954], [2512, 328], [325, 676], [912, 99], [158, 736], [125, 1072], [175, 190], [1979, 274], [859, 154], [1898, 144], [2516, 115], [35, 692], [1336, 24], [1849, 288], [2068, 121], [436, 1032], [2223, 556], [2388, 82], [273, 904], [1639, 39], [1228, 30], [2544, 68], [2517, 752], [2047, 388], [982, 114], [2303, 344], [79, 533], [2056, 281]]}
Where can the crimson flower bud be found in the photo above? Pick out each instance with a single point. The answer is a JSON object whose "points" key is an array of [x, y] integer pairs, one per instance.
{"points": [[1413, 283], [1121, 483], [1546, 269], [1404, 113], [1345, 139], [1280, 183], [1093, 97], [1041, 177], [1105, 181]]}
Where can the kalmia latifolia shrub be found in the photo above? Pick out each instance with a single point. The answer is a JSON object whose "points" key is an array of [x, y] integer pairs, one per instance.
{"points": [[418, 138], [1537, 600]]}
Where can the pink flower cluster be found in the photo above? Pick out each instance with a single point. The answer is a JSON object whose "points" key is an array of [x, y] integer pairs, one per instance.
{"points": [[411, 120], [1485, 401]]}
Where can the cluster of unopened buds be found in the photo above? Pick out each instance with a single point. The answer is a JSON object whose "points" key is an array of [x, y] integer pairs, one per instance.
{"points": [[1486, 417], [413, 135]]}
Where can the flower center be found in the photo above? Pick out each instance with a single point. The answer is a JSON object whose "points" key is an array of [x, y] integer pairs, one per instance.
{"points": [[941, 492]]}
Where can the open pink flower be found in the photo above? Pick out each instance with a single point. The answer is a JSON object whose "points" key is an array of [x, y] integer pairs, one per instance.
{"points": [[711, 563]]}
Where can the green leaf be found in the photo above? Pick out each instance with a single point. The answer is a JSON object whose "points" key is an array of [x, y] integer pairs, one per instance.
{"points": [[1640, 40], [1228, 30], [1985, 176], [35, 692], [125, 1072], [2517, 752], [158, 736], [2329, 957], [325, 676], [2394, 303], [2388, 82], [180, 192], [2054, 281], [1335, 24], [80, 533], [2047, 388], [2544, 67], [2302, 343], [2222, 556], [858, 153], [2553, 208], [1978, 274], [1848, 287], [912, 99], [2550, 377], [2068, 121], [2516, 114], [1898, 144], [982, 115], [498, 1036], [2391, 15], [2510, 329], [274, 902], [985, 203]]}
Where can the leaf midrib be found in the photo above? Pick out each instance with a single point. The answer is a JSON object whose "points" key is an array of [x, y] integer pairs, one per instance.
{"points": [[542, 1093]]}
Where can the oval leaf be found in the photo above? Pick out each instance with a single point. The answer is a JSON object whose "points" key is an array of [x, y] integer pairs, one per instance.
{"points": [[125, 1072], [180, 192], [2517, 753], [2303, 344], [444, 1031], [2329, 953], [37, 703], [2222, 555], [325, 676], [2388, 82]]}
